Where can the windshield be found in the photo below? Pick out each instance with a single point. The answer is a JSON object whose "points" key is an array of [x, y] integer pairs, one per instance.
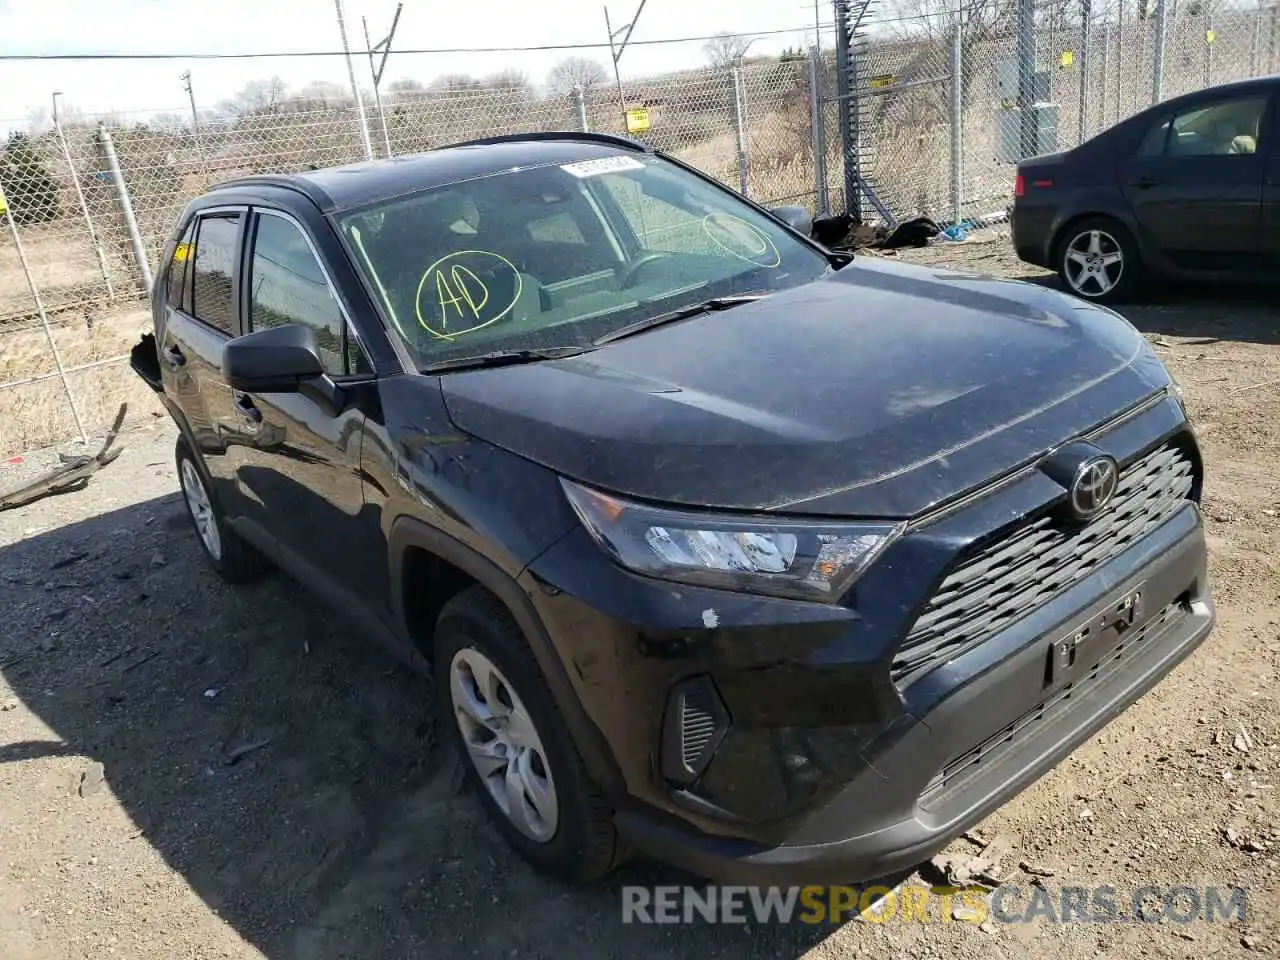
{"points": [[559, 256]]}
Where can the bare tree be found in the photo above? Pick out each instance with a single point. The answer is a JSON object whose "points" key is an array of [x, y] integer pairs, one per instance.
{"points": [[455, 82], [513, 82], [576, 71], [725, 49], [258, 96], [324, 93]]}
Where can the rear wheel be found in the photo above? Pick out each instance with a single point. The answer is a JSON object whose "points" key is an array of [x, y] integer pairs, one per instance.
{"points": [[235, 560], [1098, 260]]}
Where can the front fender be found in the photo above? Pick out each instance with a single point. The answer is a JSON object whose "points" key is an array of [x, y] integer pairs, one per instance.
{"points": [[409, 533]]}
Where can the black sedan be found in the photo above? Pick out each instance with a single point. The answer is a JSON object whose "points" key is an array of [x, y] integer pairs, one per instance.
{"points": [[1187, 189]]}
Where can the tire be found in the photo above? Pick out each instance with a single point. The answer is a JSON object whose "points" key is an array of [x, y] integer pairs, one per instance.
{"points": [[1085, 265], [578, 842], [234, 559]]}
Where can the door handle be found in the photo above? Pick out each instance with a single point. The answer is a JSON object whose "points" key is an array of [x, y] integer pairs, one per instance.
{"points": [[247, 409], [1143, 182], [174, 357]]}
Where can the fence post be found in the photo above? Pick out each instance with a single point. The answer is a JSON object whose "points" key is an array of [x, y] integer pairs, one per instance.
{"points": [[1119, 61], [84, 206], [126, 207], [1256, 47], [957, 118], [739, 127], [1086, 30], [1208, 51], [818, 133], [1157, 73], [580, 102], [355, 87], [1102, 83], [1028, 135], [44, 320]]}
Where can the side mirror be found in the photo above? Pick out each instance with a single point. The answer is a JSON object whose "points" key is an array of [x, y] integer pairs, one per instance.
{"points": [[796, 217], [275, 360]]}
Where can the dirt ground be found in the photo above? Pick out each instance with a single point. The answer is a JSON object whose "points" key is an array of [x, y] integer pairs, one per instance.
{"points": [[190, 770]]}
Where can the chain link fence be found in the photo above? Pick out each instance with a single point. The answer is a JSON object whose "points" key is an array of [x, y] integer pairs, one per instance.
{"points": [[91, 203]]}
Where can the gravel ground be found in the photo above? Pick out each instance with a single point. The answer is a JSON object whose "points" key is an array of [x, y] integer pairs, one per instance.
{"points": [[193, 770]]}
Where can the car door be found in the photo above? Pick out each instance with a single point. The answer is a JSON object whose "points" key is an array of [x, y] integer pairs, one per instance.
{"points": [[297, 455], [1195, 182], [200, 316]]}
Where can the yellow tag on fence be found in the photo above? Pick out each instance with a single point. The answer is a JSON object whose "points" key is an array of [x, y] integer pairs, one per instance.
{"points": [[1068, 57], [637, 120], [1209, 36], [4, 204]]}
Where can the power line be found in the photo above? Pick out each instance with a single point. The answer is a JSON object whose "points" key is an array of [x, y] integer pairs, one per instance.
{"points": [[28, 57]]}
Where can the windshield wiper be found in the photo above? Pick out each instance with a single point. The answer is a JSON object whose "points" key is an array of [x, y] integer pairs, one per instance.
{"points": [[684, 313], [502, 358]]}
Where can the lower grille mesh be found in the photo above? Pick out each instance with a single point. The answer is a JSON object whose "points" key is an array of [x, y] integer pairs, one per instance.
{"points": [[1011, 577], [991, 749]]}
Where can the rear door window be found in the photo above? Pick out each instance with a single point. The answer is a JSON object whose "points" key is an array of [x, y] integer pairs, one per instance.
{"points": [[214, 267]]}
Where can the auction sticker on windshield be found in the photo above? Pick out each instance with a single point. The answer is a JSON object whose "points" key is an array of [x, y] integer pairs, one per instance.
{"points": [[594, 168]]}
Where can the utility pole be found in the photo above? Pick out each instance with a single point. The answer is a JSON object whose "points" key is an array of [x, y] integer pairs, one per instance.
{"points": [[617, 48], [355, 89], [383, 46], [195, 119]]}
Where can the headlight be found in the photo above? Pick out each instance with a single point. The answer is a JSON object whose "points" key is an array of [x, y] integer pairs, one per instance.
{"points": [[808, 561]]}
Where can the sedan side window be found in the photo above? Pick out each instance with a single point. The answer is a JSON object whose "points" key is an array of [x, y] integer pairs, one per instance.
{"points": [[1222, 128], [287, 285]]}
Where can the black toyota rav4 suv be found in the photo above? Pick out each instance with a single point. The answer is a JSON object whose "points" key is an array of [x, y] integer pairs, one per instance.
{"points": [[772, 562]]}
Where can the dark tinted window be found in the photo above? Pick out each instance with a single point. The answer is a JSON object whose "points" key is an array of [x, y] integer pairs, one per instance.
{"points": [[1153, 142], [211, 299], [287, 285], [178, 268]]}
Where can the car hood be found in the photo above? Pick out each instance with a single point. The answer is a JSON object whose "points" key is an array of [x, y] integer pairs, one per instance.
{"points": [[880, 390]]}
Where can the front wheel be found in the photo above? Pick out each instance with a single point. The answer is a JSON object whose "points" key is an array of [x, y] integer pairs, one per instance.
{"points": [[1098, 260], [520, 758]]}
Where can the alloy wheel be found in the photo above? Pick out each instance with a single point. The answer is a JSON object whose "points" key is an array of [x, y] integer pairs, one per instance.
{"points": [[201, 508], [1093, 263], [503, 744]]}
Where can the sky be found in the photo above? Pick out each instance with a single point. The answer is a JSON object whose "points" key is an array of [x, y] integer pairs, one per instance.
{"points": [[123, 87]]}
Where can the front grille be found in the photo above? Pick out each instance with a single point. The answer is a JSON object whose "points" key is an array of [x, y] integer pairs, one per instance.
{"points": [[1008, 579], [973, 761]]}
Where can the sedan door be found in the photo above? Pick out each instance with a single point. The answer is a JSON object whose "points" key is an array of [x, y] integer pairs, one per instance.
{"points": [[200, 316], [1195, 184]]}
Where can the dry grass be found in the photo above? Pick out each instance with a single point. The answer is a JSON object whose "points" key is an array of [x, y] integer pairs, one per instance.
{"points": [[38, 414]]}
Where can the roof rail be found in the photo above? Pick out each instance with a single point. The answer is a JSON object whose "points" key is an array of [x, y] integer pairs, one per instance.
{"points": [[612, 139], [283, 181]]}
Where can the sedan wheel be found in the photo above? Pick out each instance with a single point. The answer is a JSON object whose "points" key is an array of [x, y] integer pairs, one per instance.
{"points": [[1093, 264], [503, 744]]}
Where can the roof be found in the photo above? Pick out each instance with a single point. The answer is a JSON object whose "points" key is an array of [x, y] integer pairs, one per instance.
{"points": [[357, 184]]}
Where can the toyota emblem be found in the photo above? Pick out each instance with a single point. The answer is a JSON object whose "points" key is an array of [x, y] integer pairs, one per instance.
{"points": [[1093, 487]]}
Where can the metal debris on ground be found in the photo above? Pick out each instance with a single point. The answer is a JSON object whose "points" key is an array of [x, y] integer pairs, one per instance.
{"points": [[72, 474]]}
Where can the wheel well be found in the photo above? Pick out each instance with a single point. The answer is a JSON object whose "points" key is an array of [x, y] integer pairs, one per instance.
{"points": [[429, 582]]}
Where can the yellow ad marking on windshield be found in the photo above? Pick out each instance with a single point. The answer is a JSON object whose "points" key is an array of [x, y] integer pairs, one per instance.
{"points": [[740, 239], [462, 300]]}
